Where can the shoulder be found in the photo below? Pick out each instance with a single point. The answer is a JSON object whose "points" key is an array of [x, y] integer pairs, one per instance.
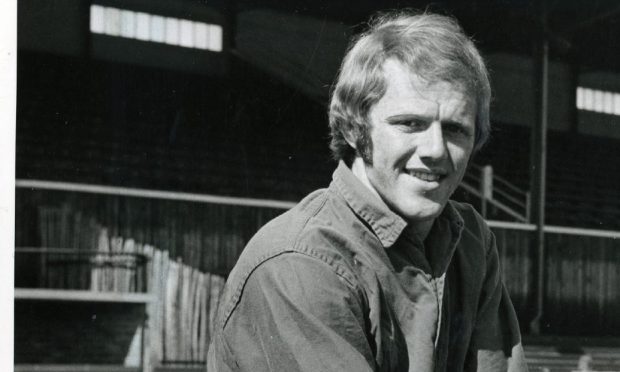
{"points": [[295, 279], [296, 249], [316, 226], [470, 215], [475, 228]]}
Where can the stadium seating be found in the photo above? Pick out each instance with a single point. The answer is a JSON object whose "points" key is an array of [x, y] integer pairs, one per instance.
{"points": [[273, 145]]}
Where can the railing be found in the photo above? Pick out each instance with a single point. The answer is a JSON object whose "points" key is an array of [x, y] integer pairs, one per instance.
{"points": [[91, 276], [152, 194], [560, 230], [581, 272], [583, 265], [576, 358], [71, 269], [497, 191]]}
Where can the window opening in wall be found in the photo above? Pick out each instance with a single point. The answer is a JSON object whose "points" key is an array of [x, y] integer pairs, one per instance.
{"points": [[605, 102], [155, 28]]}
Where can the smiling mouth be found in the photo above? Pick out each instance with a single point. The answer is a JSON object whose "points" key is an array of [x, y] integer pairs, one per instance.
{"points": [[426, 176]]}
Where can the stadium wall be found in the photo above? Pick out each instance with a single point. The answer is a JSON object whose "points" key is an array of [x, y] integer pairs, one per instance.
{"points": [[512, 78], [58, 332], [582, 266]]}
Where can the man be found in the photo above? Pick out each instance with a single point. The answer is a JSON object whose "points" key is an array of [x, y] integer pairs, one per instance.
{"points": [[381, 272]]}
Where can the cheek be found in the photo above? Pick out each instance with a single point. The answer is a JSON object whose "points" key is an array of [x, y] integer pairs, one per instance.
{"points": [[460, 155], [380, 147], [392, 148]]}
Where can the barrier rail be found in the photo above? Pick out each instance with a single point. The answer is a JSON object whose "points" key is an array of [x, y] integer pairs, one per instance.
{"points": [[492, 189], [266, 203], [153, 194], [583, 265], [95, 270]]}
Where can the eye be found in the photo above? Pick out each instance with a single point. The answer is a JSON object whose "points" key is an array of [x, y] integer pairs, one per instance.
{"points": [[411, 124], [456, 129]]}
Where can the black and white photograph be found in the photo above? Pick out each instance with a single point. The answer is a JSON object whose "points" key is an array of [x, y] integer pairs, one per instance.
{"points": [[347, 186]]}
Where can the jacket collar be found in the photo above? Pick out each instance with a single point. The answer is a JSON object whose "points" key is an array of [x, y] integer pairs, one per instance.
{"points": [[388, 226], [443, 238]]}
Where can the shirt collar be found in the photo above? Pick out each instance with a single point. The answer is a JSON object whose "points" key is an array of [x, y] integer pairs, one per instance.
{"points": [[386, 224], [434, 253], [443, 239]]}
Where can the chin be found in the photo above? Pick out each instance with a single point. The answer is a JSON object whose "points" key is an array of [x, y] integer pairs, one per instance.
{"points": [[422, 210]]}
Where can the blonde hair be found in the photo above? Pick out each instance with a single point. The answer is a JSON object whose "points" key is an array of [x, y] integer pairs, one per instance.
{"points": [[433, 46]]}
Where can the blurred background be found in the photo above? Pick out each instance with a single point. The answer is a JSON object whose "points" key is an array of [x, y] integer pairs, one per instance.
{"points": [[154, 138]]}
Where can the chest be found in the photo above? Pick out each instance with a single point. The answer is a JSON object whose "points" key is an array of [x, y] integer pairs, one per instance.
{"points": [[420, 322]]}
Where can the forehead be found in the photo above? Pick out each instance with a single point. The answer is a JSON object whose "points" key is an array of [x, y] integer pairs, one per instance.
{"points": [[405, 89]]}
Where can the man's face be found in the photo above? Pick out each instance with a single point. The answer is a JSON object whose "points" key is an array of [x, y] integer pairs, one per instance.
{"points": [[422, 137]]}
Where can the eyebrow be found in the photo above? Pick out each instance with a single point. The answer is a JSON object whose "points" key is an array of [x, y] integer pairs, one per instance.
{"points": [[401, 117], [395, 119]]}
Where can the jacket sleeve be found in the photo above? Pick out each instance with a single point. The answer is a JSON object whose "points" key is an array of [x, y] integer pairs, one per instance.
{"points": [[496, 340], [295, 313]]}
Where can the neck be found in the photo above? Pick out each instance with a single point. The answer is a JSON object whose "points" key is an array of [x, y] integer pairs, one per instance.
{"points": [[359, 170], [421, 229]]}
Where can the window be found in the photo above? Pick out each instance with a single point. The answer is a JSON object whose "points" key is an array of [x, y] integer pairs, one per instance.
{"points": [[598, 101], [155, 28]]}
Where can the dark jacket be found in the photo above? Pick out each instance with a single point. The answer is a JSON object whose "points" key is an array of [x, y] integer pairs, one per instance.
{"points": [[339, 283]]}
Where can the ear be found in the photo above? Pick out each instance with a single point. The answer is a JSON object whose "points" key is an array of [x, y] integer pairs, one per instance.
{"points": [[350, 136]]}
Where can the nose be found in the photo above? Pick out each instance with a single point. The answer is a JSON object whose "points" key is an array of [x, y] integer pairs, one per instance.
{"points": [[432, 145]]}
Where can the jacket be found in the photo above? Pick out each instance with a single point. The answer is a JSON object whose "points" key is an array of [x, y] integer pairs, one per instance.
{"points": [[340, 283]]}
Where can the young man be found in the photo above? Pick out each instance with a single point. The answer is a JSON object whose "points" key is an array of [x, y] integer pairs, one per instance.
{"points": [[380, 271]]}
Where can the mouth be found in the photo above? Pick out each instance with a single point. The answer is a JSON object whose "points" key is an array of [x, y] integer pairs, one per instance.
{"points": [[426, 175]]}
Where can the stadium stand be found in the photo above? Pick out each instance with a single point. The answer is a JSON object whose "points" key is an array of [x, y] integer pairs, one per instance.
{"points": [[120, 137], [583, 176], [222, 138]]}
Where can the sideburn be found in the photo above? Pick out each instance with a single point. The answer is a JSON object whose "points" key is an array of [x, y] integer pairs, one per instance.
{"points": [[364, 145]]}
